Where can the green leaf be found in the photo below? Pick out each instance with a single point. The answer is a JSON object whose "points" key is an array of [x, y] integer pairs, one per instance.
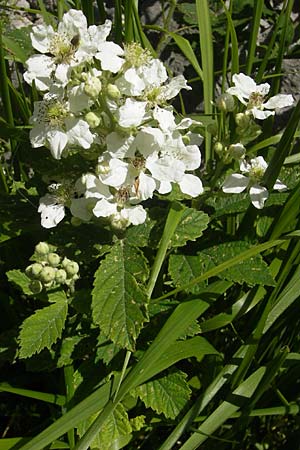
{"points": [[20, 279], [252, 271], [183, 269], [119, 302], [67, 348], [106, 350], [167, 395], [190, 227], [139, 235], [115, 431], [18, 44], [43, 328]]}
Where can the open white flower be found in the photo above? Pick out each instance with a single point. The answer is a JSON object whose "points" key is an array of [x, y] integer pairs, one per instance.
{"points": [[237, 182], [55, 127], [253, 95]]}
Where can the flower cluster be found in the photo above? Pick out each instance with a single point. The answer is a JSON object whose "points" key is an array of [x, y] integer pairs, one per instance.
{"points": [[49, 270], [109, 104]]}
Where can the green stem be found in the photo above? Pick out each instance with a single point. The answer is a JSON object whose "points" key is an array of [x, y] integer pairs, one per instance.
{"points": [[68, 374]]}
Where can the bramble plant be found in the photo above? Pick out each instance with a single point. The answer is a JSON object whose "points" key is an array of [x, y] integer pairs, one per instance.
{"points": [[159, 307]]}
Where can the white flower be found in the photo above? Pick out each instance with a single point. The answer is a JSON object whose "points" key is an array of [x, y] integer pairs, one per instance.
{"points": [[54, 126], [237, 183], [110, 56], [132, 113], [52, 212], [253, 96]]}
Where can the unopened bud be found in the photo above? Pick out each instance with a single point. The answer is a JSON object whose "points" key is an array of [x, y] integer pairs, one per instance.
{"points": [[61, 276], [93, 87], [33, 270], [92, 119], [36, 286], [72, 268], [53, 259], [242, 120], [237, 151], [113, 92], [218, 147], [47, 274], [225, 102], [42, 248], [75, 221]]}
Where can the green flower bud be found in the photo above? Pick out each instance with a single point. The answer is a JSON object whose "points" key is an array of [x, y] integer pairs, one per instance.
{"points": [[93, 87], [65, 262], [225, 102], [72, 268], [113, 92], [42, 248], [47, 274], [92, 119], [242, 120], [186, 139], [33, 270], [53, 259], [218, 147], [36, 286], [237, 151], [61, 276]]}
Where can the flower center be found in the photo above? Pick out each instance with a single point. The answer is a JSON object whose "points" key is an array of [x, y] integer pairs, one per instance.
{"points": [[255, 100], [63, 48], [122, 195], [256, 172], [55, 114], [135, 55]]}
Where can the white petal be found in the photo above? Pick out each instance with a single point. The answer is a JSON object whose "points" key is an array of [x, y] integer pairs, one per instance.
{"points": [[78, 100], [146, 187], [135, 214], [235, 184], [165, 187], [103, 208], [120, 145], [166, 169], [81, 208], [39, 69], [191, 185], [38, 135], [41, 36], [57, 141], [62, 73], [261, 115], [132, 113], [279, 101], [78, 132], [165, 118], [110, 56], [174, 87], [51, 212], [279, 186], [258, 195], [117, 173], [73, 22]]}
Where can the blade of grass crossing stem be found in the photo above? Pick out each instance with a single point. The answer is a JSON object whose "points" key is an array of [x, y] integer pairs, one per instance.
{"points": [[270, 47], [101, 11], [234, 46], [139, 33], [255, 250], [175, 326], [88, 10], [129, 21], [202, 401], [118, 22], [259, 4], [186, 48], [48, 18], [288, 214], [234, 402], [283, 149], [43, 396], [207, 62], [173, 219], [82, 411], [282, 46]]}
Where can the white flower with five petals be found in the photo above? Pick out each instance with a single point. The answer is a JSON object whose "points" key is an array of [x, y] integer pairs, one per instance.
{"points": [[253, 95], [237, 182]]}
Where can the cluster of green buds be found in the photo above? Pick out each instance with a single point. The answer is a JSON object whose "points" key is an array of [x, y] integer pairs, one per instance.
{"points": [[49, 270]]}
